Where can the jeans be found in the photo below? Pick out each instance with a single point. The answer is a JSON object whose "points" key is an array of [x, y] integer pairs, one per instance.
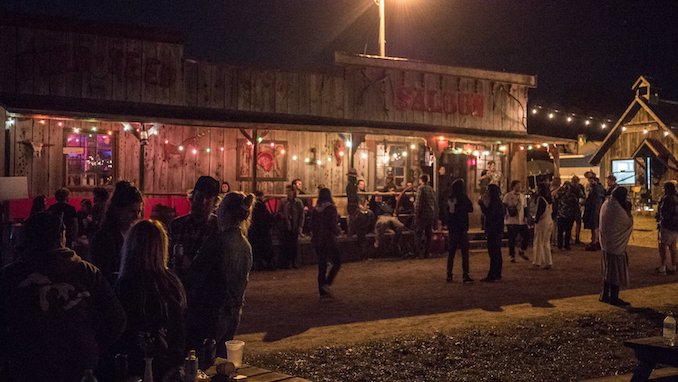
{"points": [[513, 231], [458, 239], [327, 253], [288, 249], [564, 232], [424, 235]]}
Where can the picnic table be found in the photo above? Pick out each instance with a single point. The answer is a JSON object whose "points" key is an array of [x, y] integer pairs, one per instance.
{"points": [[650, 352], [256, 374]]}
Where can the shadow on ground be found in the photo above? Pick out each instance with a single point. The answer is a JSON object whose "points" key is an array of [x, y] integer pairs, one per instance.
{"points": [[285, 303]]}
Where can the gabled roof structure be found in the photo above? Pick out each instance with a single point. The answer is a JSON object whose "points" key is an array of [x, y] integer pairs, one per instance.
{"points": [[663, 112]]}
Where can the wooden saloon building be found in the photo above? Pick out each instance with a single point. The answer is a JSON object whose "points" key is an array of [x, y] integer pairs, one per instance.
{"points": [[641, 149], [86, 105]]}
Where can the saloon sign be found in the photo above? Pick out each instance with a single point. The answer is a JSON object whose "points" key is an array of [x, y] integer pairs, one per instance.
{"points": [[436, 101]]}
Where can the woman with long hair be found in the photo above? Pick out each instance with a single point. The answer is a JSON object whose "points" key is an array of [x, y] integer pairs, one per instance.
{"points": [[124, 209], [493, 209], [154, 300], [324, 231], [543, 227], [218, 276], [39, 204]]}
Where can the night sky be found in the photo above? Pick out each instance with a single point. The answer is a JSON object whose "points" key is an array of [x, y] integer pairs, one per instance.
{"points": [[586, 54]]}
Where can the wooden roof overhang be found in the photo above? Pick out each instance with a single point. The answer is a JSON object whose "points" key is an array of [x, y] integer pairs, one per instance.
{"points": [[64, 107]]}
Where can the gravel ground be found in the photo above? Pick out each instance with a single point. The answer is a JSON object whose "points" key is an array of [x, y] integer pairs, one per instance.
{"points": [[554, 348]]}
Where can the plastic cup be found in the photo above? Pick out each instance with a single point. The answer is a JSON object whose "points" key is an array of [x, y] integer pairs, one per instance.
{"points": [[234, 350]]}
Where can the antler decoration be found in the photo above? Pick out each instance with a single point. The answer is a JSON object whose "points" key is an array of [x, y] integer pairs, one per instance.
{"points": [[36, 147]]}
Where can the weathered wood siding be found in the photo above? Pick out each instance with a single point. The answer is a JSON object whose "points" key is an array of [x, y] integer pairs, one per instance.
{"points": [[628, 142], [88, 66]]}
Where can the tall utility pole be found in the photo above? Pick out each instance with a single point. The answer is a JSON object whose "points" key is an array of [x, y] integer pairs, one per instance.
{"points": [[382, 28]]}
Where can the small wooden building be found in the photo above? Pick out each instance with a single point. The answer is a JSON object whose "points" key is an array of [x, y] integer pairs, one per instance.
{"points": [[87, 104], [642, 146]]}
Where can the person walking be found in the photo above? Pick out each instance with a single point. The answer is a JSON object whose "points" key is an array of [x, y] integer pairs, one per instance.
{"points": [[324, 230], [668, 229], [616, 226], [425, 214], [493, 209], [154, 300], [218, 277], [542, 228], [568, 204], [516, 203], [57, 312], [591, 216], [125, 208], [457, 208], [291, 216]]}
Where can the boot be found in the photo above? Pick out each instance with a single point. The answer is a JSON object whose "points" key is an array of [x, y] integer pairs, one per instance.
{"points": [[614, 297], [605, 294]]}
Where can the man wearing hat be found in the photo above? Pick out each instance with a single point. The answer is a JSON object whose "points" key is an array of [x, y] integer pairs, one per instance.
{"points": [[352, 196], [187, 233]]}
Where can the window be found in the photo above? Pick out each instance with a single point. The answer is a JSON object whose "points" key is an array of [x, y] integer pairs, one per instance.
{"points": [[625, 171], [392, 159], [89, 159]]}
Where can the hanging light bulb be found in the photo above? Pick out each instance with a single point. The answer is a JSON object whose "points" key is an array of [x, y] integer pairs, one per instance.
{"points": [[645, 131], [587, 122], [569, 119], [319, 162], [522, 147], [413, 146], [181, 148], [341, 153], [221, 148], [623, 128], [666, 133], [329, 159], [208, 150], [551, 115], [272, 144], [282, 151], [604, 125], [349, 144], [534, 111], [404, 153], [166, 141], [294, 157], [60, 124], [195, 151]]}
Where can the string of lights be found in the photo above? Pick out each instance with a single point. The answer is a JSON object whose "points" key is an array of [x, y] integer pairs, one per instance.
{"points": [[573, 119]]}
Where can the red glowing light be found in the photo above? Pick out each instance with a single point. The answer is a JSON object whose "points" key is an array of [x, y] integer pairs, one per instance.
{"points": [[221, 148], [166, 141]]}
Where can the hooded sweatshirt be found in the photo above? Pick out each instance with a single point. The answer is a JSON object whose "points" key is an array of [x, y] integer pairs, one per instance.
{"points": [[57, 315]]}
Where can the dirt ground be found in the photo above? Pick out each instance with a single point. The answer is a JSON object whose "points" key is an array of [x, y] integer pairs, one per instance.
{"points": [[382, 299]]}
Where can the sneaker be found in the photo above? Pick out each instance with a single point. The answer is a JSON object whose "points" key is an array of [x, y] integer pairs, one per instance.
{"points": [[660, 271], [523, 255]]}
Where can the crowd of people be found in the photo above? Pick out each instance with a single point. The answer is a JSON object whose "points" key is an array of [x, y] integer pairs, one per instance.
{"points": [[145, 289]]}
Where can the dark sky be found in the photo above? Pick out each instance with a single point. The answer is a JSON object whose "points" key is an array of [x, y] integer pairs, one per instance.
{"points": [[586, 54]]}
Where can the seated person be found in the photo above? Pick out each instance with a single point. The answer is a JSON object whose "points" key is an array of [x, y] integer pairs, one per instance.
{"points": [[365, 220], [379, 206]]}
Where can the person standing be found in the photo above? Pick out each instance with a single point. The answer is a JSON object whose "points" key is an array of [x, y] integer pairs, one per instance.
{"points": [[291, 215], [493, 209], [542, 228], [190, 231], [616, 226], [516, 203], [57, 312], [425, 214], [611, 185], [39, 205], [218, 276], [591, 216], [568, 204], [154, 300], [68, 213], [668, 228], [457, 208], [324, 230], [260, 234], [352, 198], [580, 193], [125, 208]]}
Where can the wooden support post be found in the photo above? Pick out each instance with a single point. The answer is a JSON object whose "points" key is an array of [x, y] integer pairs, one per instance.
{"points": [[255, 149], [142, 168]]}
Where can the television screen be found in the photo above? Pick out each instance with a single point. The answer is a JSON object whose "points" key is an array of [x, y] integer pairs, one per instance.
{"points": [[625, 171]]}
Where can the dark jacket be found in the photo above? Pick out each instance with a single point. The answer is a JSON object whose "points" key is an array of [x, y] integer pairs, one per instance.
{"points": [[456, 210], [57, 315], [352, 197], [215, 286], [260, 231], [324, 227], [568, 204], [668, 212], [494, 217], [594, 201], [70, 218], [156, 314], [105, 252]]}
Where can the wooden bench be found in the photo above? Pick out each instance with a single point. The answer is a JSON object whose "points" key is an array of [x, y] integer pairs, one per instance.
{"points": [[254, 374], [650, 352]]}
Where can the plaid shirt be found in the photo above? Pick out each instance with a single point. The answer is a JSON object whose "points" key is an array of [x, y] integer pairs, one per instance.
{"points": [[425, 206], [191, 233]]}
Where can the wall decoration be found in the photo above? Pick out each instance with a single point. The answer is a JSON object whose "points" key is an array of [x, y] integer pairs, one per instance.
{"points": [[271, 160]]}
